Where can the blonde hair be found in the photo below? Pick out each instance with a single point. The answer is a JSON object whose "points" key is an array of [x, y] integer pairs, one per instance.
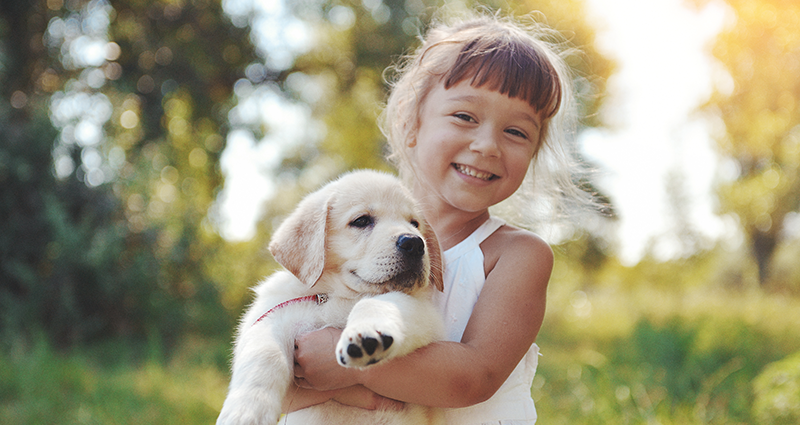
{"points": [[524, 62]]}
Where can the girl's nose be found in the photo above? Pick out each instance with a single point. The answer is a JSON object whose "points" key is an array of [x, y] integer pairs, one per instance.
{"points": [[486, 144]]}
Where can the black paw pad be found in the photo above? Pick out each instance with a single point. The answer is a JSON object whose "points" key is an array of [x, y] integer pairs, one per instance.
{"points": [[354, 352], [369, 344], [387, 341]]}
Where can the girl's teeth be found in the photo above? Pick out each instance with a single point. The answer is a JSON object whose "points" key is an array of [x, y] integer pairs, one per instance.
{"points": [[472, 173]]}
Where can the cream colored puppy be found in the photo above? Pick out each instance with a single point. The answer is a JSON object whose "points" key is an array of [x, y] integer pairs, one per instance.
{"points": [[359, 256]]}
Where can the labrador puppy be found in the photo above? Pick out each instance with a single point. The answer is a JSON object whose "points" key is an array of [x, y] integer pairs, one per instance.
{"points": [[358, 255]]}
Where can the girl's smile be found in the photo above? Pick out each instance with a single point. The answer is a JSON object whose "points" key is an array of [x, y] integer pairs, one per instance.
{"points": [[463, 169], [474, 145]]}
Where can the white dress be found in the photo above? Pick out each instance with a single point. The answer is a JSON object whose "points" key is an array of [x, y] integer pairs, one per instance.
{"points": [[463, 280]]}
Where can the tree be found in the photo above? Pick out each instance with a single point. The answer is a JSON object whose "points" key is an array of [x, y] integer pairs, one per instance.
{"points": [[759, 107], [23, 238], [113, 239], [179, 62], [58, 237]]}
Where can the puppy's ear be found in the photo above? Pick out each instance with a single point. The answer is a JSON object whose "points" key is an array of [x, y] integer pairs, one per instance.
{"points": [[299, 242], [435, 256]]}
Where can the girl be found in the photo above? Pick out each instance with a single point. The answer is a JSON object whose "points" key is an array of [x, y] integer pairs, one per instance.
{"points": [[477, 113]]}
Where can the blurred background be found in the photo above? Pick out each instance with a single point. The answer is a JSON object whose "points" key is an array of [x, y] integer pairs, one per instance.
{"points": [[148, 149]]}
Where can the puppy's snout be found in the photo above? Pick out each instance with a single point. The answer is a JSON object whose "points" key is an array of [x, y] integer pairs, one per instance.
{"points": [[411, 245]]}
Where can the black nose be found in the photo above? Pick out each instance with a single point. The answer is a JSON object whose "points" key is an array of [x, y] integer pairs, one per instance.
{"points": [[411, 245]]}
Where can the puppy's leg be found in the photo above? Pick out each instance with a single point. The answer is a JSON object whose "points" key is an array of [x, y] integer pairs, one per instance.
{"points": [[386, 326], [261, 374]]}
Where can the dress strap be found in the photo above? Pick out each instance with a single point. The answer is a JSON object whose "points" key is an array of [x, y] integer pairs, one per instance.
{"points": [[473, 240], [487, 228]]}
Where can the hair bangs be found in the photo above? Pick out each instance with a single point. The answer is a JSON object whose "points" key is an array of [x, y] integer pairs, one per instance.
{"points": [[510, 67]]}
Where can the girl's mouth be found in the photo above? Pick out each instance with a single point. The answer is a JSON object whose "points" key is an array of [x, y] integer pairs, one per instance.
{"points": [[463, 169]]}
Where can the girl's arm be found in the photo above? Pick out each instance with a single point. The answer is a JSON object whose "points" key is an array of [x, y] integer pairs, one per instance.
{"points": [[299, 398], [503, 325], [356, 396]]}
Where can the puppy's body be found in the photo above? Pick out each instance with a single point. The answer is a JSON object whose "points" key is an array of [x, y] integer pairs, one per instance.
{"points": [[360, 243]]}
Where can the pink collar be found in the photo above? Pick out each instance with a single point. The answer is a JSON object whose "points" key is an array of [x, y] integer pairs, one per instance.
{"points": [[317, 298]]}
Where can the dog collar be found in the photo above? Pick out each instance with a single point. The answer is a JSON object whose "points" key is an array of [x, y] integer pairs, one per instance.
{"points": [[317, 298]]}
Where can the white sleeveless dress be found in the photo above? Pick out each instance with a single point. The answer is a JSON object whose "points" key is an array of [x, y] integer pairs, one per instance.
{"points": [[464, 278]]}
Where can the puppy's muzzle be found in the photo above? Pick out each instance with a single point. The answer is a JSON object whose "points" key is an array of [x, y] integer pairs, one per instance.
{"points": [[412, 249]]}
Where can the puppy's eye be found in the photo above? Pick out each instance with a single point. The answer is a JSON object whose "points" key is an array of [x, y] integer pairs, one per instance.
{"points": [[363, 221], [414, 223]]}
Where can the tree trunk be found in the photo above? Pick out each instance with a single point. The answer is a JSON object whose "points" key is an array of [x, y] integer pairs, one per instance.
{"points": [[763, 245]]}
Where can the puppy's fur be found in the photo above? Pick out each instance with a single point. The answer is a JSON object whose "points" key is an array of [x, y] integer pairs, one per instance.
{"points": [[362, 242]]}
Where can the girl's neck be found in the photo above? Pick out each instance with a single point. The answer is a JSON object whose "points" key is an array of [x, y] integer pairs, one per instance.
{"points": [[455, 226], [451, 225]]}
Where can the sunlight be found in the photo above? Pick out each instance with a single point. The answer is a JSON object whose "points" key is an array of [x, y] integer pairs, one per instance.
{"points": [[664, 75]]}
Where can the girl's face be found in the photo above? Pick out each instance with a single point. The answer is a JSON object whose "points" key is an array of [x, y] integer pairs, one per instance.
{"points": [[473, 146]]}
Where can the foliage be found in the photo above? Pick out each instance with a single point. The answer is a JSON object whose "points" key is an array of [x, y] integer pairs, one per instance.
{"points": [[59, 239], [777, 392], [758, 104], [113, 239]]}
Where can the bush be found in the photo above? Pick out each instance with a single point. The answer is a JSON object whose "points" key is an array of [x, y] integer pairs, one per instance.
{"points": [[777, 392]]}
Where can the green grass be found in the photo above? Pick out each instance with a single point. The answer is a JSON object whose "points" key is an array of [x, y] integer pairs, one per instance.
{"points": [[40, 386], [648, 356], [610, 356]]}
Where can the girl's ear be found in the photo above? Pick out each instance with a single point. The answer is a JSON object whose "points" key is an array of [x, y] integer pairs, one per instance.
{"points": [[299, 242]]}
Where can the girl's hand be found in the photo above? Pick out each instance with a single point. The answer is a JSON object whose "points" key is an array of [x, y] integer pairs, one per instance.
{"points": [[364, 398], [315, 363]]}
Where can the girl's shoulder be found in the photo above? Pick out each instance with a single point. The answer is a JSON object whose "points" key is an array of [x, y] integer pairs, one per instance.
{"points": [[516, 247]]}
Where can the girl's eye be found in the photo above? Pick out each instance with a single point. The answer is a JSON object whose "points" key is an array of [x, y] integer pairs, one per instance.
{"points": [[464, 117], [516, 133], [363, 221]]}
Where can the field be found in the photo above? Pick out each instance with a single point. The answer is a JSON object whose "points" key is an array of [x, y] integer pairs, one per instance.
{"points": [[649, 357]]}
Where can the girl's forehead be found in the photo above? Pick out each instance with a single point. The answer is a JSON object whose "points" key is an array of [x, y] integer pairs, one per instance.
{"points": [[467, 91]]}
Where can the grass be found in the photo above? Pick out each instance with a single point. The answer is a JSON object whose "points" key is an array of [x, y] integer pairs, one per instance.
{"points": [[653, 357], [40, 386], [611, 356]]}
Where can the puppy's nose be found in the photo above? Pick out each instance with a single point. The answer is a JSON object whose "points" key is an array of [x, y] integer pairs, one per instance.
{"points": [[411, 245]]}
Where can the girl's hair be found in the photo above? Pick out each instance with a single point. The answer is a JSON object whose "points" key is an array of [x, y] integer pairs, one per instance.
{"points": [[523, 62]]}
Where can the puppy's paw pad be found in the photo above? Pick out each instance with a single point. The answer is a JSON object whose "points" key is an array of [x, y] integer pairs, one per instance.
{"points": [[359, 349]]}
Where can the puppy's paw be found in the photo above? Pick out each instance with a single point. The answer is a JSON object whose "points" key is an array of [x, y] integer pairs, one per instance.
{"points": [[244, 410], [361, 346]]}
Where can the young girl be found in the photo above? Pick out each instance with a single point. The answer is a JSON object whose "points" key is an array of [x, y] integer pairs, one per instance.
{"points": [[476, 114]]}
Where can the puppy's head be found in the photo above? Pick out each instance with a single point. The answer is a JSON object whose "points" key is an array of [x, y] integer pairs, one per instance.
{"points": [[363, 229]]}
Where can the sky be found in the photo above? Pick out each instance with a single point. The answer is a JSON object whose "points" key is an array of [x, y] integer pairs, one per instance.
{"points": [[664, 74]]}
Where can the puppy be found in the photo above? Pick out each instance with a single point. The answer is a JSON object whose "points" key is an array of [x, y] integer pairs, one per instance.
{"points": [[359, 256]]}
